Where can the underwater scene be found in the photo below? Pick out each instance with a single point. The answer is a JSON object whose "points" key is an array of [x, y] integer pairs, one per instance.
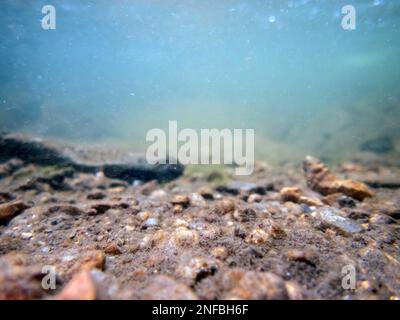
{"points": [[199, 149]]}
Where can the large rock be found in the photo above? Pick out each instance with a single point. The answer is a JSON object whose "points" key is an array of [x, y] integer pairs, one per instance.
{"points": [[115, 163], [321, 179]]}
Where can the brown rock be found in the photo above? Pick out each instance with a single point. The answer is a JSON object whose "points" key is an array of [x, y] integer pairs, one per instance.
{"points": [[308, 256], [80, 287], [182, 200], [90, 260], [10, 209], [225, 206], [296, 195], [112, 248], [322, 180]]}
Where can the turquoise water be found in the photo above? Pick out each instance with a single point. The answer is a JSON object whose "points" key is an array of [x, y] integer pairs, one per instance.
{"points": [[112, 70]]}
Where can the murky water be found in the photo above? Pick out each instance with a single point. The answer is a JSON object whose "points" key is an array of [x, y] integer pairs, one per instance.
{"points": [[112, 70]]}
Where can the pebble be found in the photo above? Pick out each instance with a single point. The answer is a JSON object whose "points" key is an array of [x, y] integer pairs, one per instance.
{"points": [[182, 200], [143, 215], [26, 235], [197, 200], [151, 222], [181, 223], [254, 197], [185, 237], [333, 218], [219, 252], [225, 206], [112, 248], [158, 195], [257, 236]]}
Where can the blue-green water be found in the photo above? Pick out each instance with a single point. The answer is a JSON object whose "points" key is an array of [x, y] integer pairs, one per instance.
{"points": [[112, 70]]}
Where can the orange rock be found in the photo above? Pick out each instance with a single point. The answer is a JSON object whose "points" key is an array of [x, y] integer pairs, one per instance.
{"points": [[295, 194], [81, 287], [91, 260], [181, 200], [322, 180]]}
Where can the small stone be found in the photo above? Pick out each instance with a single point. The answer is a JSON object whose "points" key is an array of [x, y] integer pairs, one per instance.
{"points": [[158, 195], [112, 248], [219, 252], [80, 287], [158, 237], [381, 219], [10, 209], [26, 235], [181, 223], [185, 237], [182, 200], [254, 197], [225, 206], [143, 215], [332, 218], [197, 200], [178, 208], [275, 231], [294, 194], [151, 222], [257, 236], [307, 256]]}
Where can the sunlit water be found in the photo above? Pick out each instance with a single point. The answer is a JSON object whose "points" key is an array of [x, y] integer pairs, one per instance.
{"points": [[112, 70]]}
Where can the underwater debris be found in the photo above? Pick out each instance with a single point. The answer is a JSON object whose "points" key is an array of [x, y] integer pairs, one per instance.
{"points": [[322, 180]]}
